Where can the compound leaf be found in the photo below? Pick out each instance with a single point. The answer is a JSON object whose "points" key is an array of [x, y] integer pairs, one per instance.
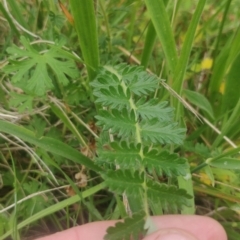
{"points": [[131, 228], [104, 80], [142, 83], [138, 81]]}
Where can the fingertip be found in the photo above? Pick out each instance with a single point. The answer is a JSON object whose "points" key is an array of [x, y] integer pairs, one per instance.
{"points": [[171, 234], [214, 229], [89, 231], [205, 228]]}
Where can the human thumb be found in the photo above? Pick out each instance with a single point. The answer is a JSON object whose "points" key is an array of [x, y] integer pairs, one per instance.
{"points": [[171, 234]]}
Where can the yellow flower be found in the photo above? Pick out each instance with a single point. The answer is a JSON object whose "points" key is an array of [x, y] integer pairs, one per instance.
{"points": [[206, 63]]}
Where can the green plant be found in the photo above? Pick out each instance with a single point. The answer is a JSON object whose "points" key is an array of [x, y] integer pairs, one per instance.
{"points": [[48, 100], [133, 145]]}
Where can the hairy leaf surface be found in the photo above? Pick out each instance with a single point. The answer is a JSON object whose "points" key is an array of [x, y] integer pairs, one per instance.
{"points": [[169, 196], [140, 123], [113, 97], [170, 164], [162, 132], [138, 80], [121, 123], [142, 84], [153, 109], [104, 81], [127, 156], [124, 181]]}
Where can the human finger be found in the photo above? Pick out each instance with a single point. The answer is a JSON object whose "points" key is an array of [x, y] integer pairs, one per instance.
{"points": [[203, 228]]}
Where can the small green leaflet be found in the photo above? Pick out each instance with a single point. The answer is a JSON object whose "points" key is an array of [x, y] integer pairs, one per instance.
{"points": [[40, 69], [162, 132], [21, 101], [131, 228]]}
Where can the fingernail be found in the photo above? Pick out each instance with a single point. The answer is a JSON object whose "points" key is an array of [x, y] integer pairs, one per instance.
{"points": [[170, 234]]}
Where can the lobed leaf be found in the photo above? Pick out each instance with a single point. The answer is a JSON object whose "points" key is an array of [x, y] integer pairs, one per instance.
{"points": [[120, 122], [128, 156], [168, 196], [113, 97], [104, 80], [131, 228], [21, 101], [135, 78], [141, 83], [125, 155], [120, 182], [170, 164], [162, 132], [35, 67], [153, 109]]}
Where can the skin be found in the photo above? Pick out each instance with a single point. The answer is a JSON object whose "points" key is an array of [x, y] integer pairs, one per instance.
{"points": [[174, 227]]}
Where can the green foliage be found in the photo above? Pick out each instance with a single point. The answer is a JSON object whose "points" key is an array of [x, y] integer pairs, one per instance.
{"points": [[225, 163], [152, 119], [136, 126], [32, 68], [120, 181], [200, 101], [22, 102], [169, 196], [47, 110], [231, 91], [85, 25], [49, 144], [129, 156], [131, 228], [122, 123], [38, 203]]}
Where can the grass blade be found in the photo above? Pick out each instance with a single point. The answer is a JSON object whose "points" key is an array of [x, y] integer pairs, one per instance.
{"points": [[49, 144], [12, 25], [223, 62], [185, 53], [69, 124], [161, 23], [148, 45], [85, 24], [232, 86], [56, 207]]}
